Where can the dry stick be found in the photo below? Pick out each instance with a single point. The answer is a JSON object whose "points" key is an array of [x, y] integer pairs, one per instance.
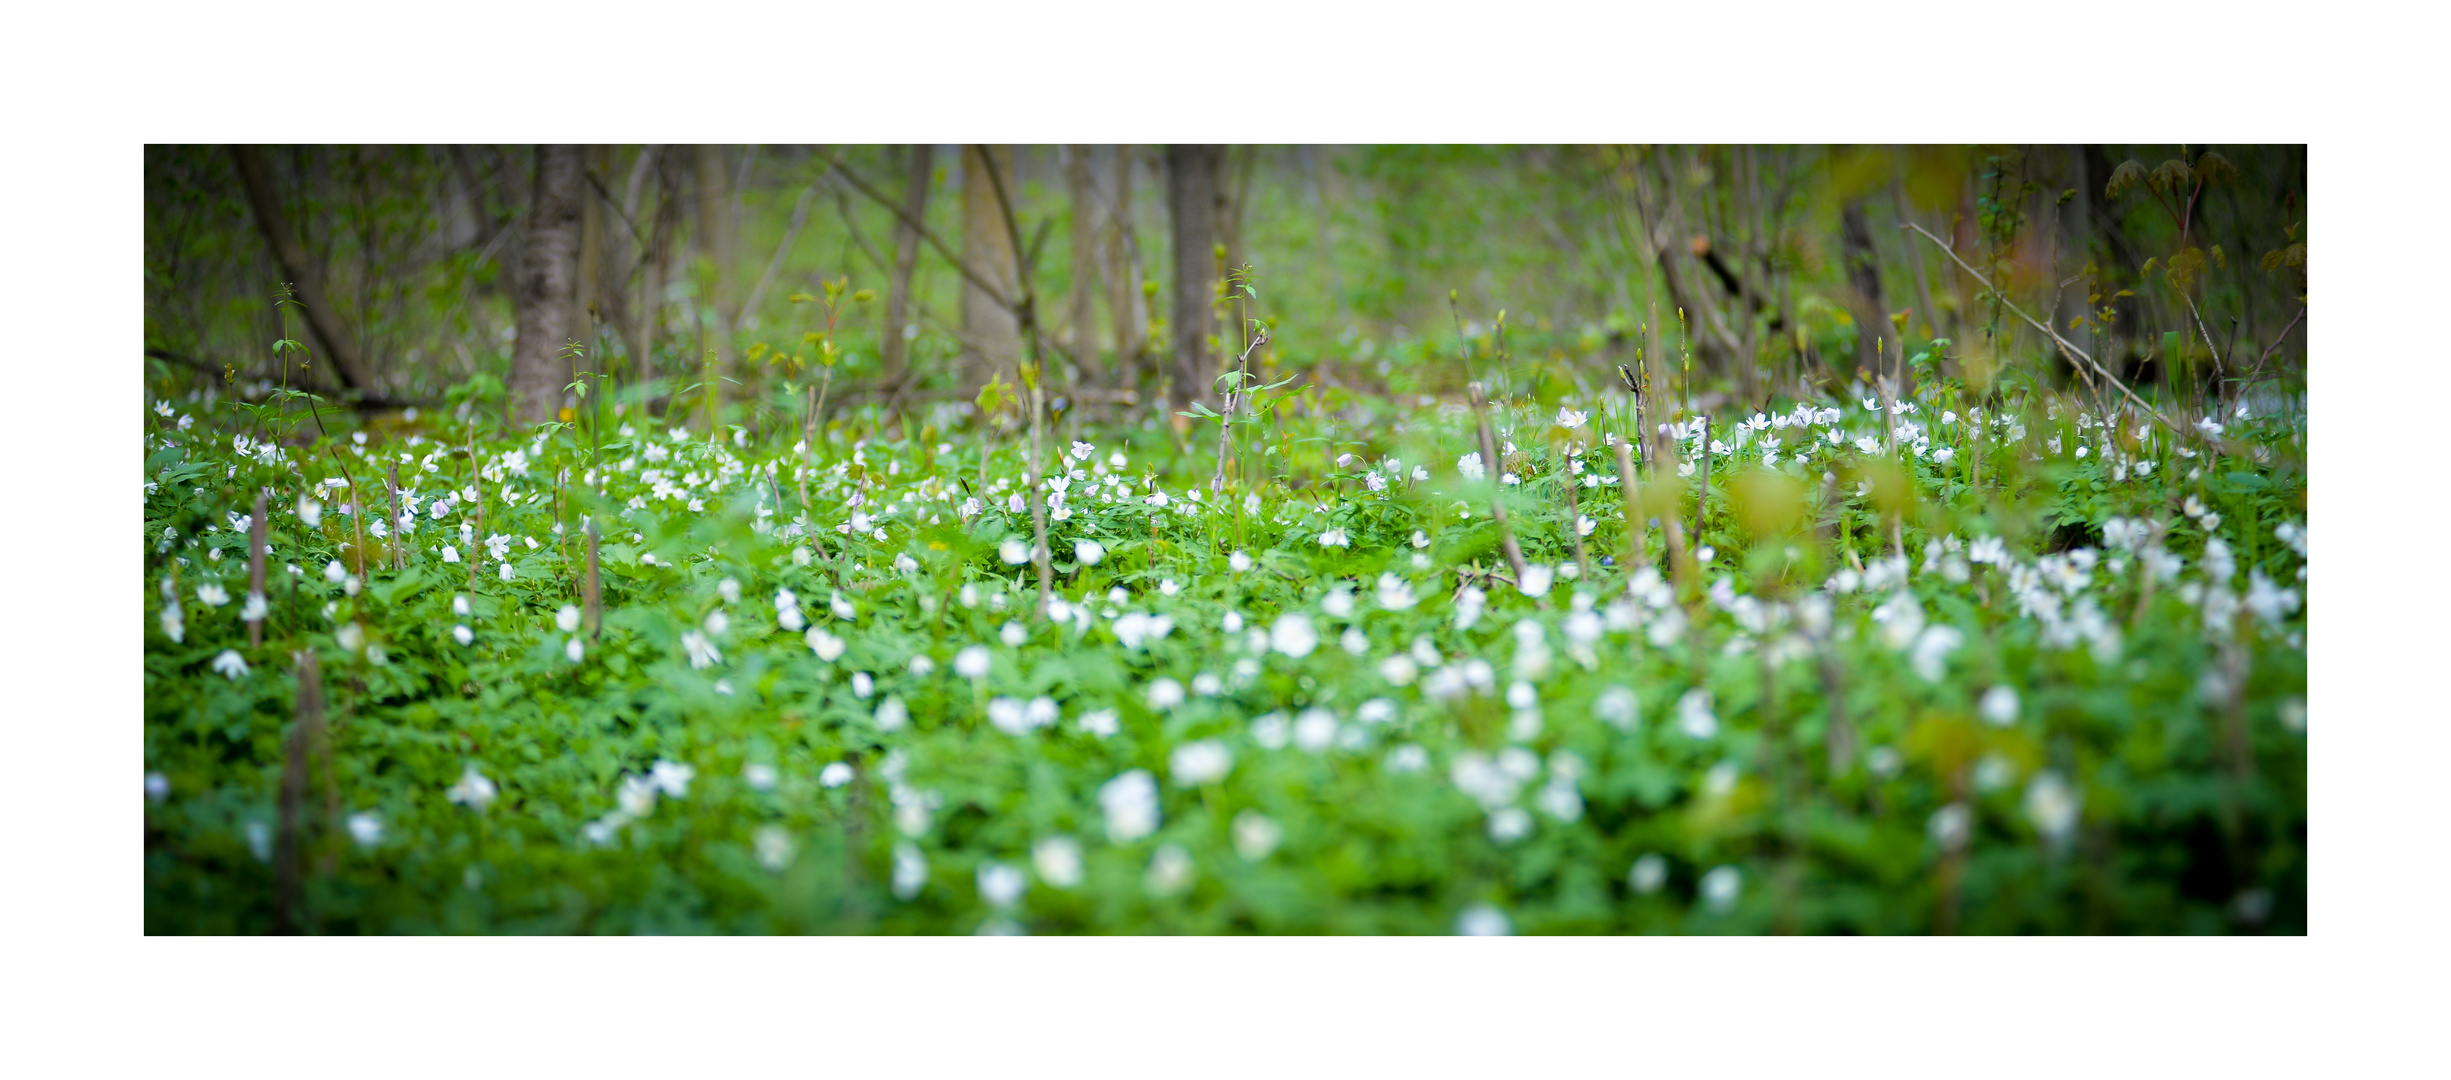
{"points": [[593, 593], [1492, 468], [1702, 479], [255, 573], [1233, 401], [1635, 553], [2276, 345], [288, 863], [476, 484], [2064, 346], [1574, 508], [357, 525], [391, 486]]}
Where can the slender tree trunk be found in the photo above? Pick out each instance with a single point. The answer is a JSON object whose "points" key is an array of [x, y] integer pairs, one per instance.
{"points": [[1082, 298], [1123, 278], [1191, 199], [545, 288], [1864, 280], [717, 237], [321, 319], [906, 258], [992, 332]]}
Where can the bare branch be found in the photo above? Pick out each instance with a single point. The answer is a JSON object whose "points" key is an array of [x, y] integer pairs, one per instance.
{"points": [[2067, 349]]}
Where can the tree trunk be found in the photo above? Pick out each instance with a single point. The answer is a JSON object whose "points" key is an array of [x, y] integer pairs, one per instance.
{"points": [[906, 258], [547, 283], [1864, 281], [1082, 334], [1191, 199], [321, 320], [992, 333], [1123, 280], [716, 234]]}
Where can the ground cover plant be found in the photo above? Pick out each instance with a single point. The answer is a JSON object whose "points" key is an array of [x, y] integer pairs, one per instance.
{"points": [[1887, 695], [1974, 638]]}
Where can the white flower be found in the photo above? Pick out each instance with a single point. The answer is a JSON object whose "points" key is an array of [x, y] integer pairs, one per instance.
{"points": [[1570, 419], [575, 650], [1102, 722], [1000, 885], [1129, 803], [1014, 552], [1239, 562], [1470, 466], [1951, 826], [1694, 716], [827, 647], [255, 609], [567, 618], [1399, 670], [1537, 577], [1058, 860], [910, 870], [473, 791], [1088, 552], [212, 594], [1483, 920], [452, 554], [1165, 694], [1256, 835], [1933, 647], [834, 775], [1013, 635], [310, 512], [459, 604], [761, 776], [1334, 538], [231, 664], [1721, 886], [1157, 499], [773, 846], [333, 571], [1201, 762], [971, 662], [1314, 730], [672, 778], [157, 786], [351, 637], [463, 635], [1999, 706], [366, 828], [506, 572], [702, 653], [1170, 871], [1649, 873], [1293, 635], [2053, 806]]}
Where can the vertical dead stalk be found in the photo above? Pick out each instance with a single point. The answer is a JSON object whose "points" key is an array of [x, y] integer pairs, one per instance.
{"points": [[1635, 545], [1492, 468], [1574, 508], [391, 487], [305, 739], [256, 603], [593, 593]]}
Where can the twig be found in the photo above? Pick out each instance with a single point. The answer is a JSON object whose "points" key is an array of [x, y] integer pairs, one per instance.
{"points": [[1492, 468], [255, 572], [1233, 401], [2064, 346]]}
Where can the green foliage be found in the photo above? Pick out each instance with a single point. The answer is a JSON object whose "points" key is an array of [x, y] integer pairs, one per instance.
{"points": [[1813, 738]]}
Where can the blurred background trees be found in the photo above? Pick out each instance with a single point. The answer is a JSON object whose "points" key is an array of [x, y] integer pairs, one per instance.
{"points": [[1738, 272]]}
